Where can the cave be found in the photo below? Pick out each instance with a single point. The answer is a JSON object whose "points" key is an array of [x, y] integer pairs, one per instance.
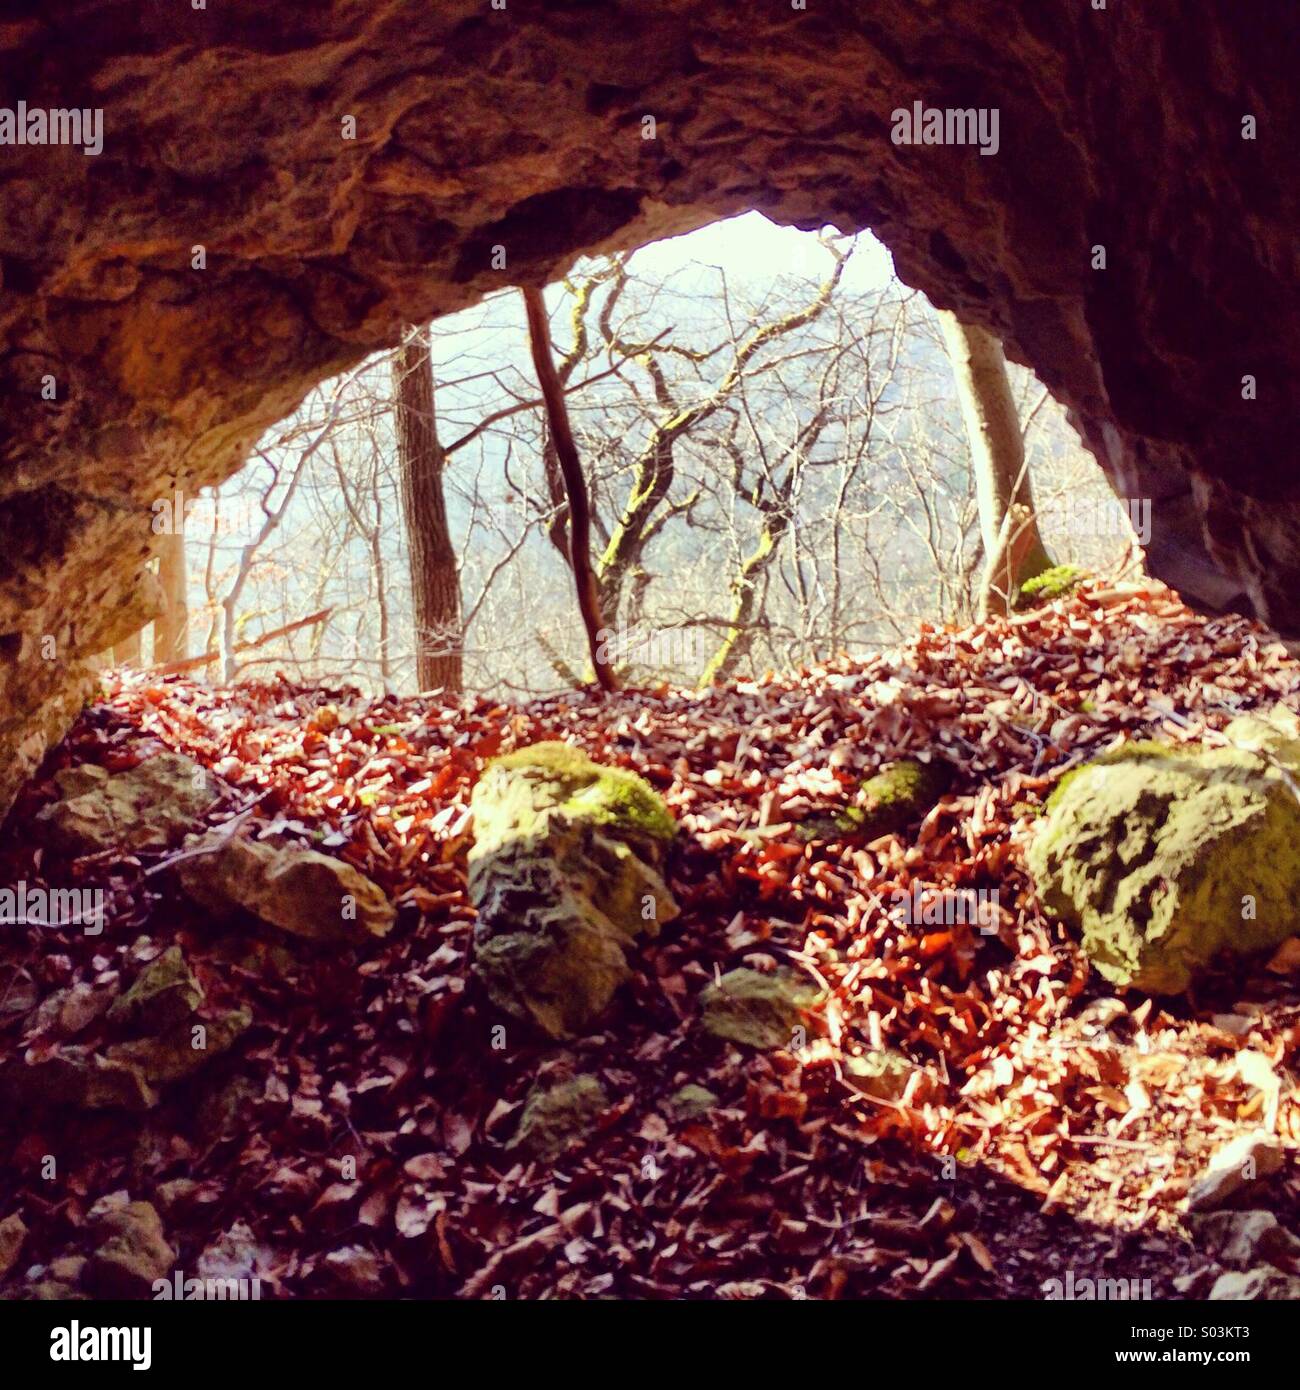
{"points": [[206, 214]]}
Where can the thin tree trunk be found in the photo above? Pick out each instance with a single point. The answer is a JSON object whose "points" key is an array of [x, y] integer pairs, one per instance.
{"points": [[435, 583], [575, 485], [128, 651], [1013, 548], [171, 628]]}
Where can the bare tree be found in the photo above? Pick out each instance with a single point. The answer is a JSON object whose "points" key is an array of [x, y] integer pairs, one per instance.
{"points": [[575, 485], [1013, 548], [435, 579]]}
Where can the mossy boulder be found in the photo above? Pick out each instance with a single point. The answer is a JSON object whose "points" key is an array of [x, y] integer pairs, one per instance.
{"points": [[1164, 856], [756, 1010], [566, 874], [886, 803], [77, 1078], [148, 807], [556, 1116]]}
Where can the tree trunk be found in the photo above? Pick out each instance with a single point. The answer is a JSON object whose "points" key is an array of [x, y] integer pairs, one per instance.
{"points": [[128, 651], [575, 485], [1013, 548], [171, 627], [435, 583]]}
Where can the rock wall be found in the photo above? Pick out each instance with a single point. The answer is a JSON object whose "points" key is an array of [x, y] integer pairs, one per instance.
{"points": [[346, 167]]}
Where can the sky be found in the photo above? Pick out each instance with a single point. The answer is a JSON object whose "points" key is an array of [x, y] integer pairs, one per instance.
{"points": [[750, 247]]}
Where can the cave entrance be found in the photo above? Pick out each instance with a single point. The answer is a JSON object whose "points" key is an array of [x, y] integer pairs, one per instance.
{"points": [[777, 465]]}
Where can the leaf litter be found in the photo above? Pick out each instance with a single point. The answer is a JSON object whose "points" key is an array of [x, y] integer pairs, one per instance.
{"points": [[358, 1134]]}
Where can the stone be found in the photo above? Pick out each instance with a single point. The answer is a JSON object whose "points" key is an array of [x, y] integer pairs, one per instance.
{"points": [[1238, 1166], [321, 248], [566, 874], [880, 1073], [13, 1232], [756, 1010], [77, 1078], [1162, 857], [163, 995], [148, 807], [557, 1116], [177, 1054], [133, 1254], [1245, 1237], [301, 891], [1255, 1284], [691, 1102], [885, 804]]}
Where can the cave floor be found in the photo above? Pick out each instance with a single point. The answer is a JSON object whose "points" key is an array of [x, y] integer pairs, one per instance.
{"points": [[354, 1142]]}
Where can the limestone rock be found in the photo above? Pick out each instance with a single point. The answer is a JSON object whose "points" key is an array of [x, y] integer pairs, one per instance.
{"points": [[148, 807], [566, 874], [13, 1232], [301, 891], [184, 1049], [760, 1011], [690, 1102], [133, 1255], [1162, 857], [163, 995], [78, 1078], [1245, 1238], [880, 1073], [1255, 1284], [556, 1116], [886, 804], [1237, 1166]]}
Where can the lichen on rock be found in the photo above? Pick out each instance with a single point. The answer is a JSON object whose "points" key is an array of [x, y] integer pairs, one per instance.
{"points": [[148, 807], [556, 1116], [566, 874], [301, 891], [163, 995], [885, 803], [756, 1010], [1164, 856]]}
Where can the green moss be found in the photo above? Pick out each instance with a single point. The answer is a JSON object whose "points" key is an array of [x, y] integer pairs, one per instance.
{"points": [[1051, 584], [556, 1117], [1136, 750], [1163, 856], [591, 792], [760, 1011], [886, 803]]}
